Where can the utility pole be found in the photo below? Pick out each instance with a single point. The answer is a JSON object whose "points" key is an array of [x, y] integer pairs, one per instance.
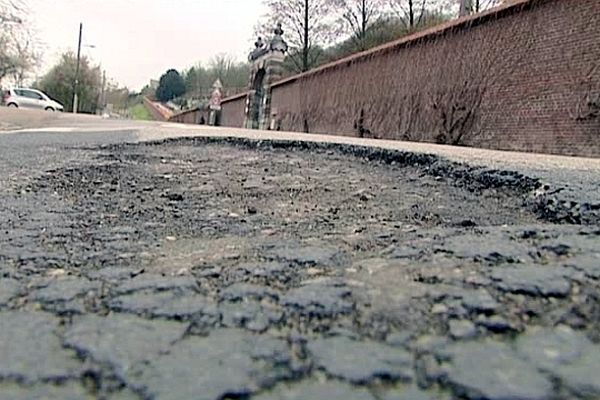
{"points": [[103, 93], [76, 83]]}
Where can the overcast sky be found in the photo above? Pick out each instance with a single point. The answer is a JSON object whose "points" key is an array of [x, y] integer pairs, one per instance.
{"points": [[138, 40]]}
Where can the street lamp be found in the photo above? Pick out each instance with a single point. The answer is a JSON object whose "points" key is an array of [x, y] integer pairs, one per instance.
{"points": [[76, 82]]}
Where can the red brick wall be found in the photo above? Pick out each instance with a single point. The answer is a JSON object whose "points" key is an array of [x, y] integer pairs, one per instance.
{"points": [[157, 113], [517, 78], [191, 117], [233, 111]]}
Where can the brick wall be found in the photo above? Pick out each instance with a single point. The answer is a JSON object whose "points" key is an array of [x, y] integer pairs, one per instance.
{"points": [[158, 112], [232, 111], [520, 77], [191, 117]]}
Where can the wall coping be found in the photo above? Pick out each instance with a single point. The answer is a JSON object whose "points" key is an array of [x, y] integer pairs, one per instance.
{"points": [[507, 8], [156, 109], [191, 110], [234, 97]]}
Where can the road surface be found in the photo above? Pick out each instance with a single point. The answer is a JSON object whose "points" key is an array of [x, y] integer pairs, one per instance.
{"points": [[149, 260]]}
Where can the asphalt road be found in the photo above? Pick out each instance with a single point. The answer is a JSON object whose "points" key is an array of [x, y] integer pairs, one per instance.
{"points": [[149, 260]]}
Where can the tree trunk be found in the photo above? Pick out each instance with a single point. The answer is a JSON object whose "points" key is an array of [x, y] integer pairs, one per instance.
{"points": [[465, 8], [363, 28], [305, 41]]}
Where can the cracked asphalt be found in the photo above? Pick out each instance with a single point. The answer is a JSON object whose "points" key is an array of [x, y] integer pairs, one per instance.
{"points": [[215, 268]]}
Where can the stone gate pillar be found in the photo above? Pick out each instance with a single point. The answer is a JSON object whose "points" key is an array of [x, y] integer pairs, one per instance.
{"points": [[215, 103], [266, 68]]}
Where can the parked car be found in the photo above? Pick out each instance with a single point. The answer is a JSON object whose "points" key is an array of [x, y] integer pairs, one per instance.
{"points": [[30, 98]]}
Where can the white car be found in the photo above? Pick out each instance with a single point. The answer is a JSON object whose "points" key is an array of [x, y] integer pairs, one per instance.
{"points": [[30, 98]]}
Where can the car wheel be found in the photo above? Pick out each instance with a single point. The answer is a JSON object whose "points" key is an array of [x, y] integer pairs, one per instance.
{"points": [[49, 109], [12, 105]]}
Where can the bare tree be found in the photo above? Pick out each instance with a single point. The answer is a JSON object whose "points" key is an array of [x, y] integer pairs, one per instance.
{"points": [[357, 17], [10, 11], [221, 64], [474, 6], [411, 12], [232, 74], [17, 43], [26, 56], [305, 23]]}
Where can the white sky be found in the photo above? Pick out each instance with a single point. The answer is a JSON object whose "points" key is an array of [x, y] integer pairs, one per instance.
{"points": [[138, 40]]}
